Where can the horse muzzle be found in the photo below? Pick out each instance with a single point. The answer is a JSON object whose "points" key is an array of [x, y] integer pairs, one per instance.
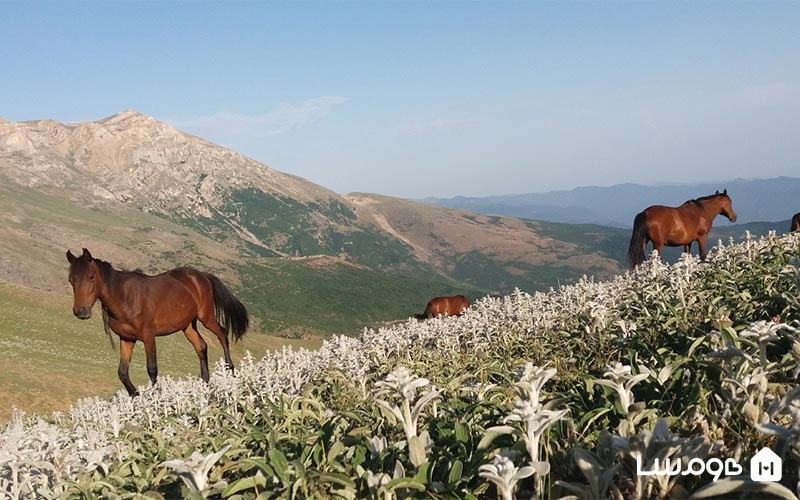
{"points": [[732, 218], [82, 312]]}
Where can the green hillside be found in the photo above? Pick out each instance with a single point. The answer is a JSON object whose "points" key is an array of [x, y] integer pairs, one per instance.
{"points": [[322, 295]]}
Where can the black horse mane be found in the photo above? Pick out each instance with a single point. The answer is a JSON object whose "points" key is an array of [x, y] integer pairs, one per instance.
{"points": [[699, 201], [106, 270]]}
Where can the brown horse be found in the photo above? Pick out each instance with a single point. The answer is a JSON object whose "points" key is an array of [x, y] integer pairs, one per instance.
{"points": [[448, 306], [796, 222], [140, 307], [676, 226]]}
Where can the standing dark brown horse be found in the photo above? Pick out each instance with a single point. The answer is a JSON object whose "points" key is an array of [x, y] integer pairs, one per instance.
{"points": [[140, 307], [796, 222], [678, 226], [449, 306]]}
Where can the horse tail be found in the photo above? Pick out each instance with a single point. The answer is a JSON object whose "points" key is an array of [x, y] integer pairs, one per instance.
{"points": [[230, 313], [638, 238], [427, 314]]}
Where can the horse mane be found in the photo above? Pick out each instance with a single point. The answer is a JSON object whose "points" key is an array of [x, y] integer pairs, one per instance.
{"points": [[106, 270], [699, 201]]}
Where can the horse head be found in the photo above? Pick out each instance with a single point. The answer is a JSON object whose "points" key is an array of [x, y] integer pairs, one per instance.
{"points": [[725, 207], [84, 274]]}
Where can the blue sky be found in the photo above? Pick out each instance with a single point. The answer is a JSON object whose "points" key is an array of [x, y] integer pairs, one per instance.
{"points": [[432, 99]]}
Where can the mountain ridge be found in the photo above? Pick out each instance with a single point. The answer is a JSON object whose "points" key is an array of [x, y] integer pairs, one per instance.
{"points": [[755, 200]]}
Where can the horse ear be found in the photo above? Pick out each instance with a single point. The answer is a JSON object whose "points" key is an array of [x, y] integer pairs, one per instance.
{"points": [[714, 195], [87, 254], [725, 192], [70, 257]]}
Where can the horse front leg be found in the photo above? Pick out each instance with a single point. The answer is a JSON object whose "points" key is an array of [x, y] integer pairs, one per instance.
{"points": [[687, 248], [150, 353], [125, 353]]}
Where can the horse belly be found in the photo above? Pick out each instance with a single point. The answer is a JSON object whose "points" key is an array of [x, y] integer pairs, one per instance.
{"points": [[173, 318], [175, 311]]}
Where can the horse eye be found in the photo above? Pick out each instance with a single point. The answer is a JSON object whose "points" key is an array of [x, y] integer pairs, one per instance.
{"points": [[91, 276]]}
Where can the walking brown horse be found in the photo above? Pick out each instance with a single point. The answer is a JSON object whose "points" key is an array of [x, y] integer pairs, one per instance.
{"points": [[676, 226], [448, 306], [796, 222], [140, 307]]}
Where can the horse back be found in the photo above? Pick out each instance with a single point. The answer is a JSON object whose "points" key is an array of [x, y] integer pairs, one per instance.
{"points": [[170, 300], [688, 219], [453, 306]]}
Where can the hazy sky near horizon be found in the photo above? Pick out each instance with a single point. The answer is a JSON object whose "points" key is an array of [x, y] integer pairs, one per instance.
{"points": [[432, 99]]}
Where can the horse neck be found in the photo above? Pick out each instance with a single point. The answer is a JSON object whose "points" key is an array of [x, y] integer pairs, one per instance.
{"points": [[112, 293], [711, 206]]}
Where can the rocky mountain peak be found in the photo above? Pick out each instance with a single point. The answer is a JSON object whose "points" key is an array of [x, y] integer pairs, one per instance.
{"points": [[135, 159], [129, 118]]}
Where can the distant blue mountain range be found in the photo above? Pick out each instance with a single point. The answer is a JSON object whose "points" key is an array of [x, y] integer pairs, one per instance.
{"points": [[754, 200]]}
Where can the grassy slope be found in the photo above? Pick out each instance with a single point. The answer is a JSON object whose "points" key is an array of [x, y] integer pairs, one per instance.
{"points": [[489, 252], [49, 358], [292, 298], [323, 295]]}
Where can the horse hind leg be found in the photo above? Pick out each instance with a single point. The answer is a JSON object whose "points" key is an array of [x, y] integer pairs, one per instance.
{"points": [[659, 247], [200, 347], [209, 320], [150, 352]]}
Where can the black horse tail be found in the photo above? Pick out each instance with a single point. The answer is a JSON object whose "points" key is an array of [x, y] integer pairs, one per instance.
{"points": [[428, 314], [230, 313], [638, 239]]}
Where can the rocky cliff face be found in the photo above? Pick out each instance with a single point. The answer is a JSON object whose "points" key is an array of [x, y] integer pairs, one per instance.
{"points": [[131, 156], [134, 159]]}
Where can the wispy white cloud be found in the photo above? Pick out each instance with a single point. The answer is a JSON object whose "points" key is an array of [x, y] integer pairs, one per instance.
{"points": [[240, 127]]}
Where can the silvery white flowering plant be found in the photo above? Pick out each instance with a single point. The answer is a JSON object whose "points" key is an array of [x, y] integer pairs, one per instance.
{"points": [[718, 338]]}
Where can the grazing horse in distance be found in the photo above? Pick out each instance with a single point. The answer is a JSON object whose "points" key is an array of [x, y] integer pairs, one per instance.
{"points": [[141, 307], [678, 226], [796, 222], [448, 306]]}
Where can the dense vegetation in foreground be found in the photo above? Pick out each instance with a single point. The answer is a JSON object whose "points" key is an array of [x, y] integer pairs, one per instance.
{"points": [[543, 395]]}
